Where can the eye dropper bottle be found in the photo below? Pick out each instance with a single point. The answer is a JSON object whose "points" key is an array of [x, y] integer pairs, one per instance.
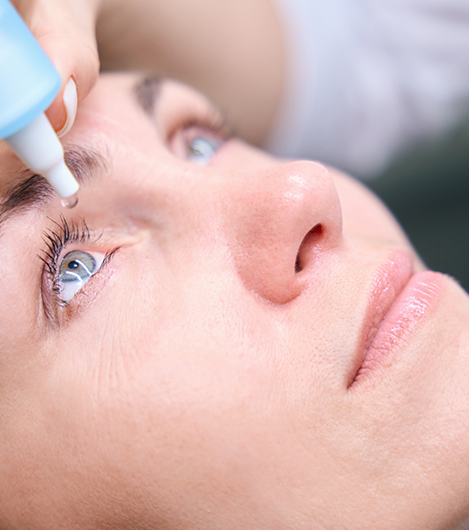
{"points": [[28, 85]]}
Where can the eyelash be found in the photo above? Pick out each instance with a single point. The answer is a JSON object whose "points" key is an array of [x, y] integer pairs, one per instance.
{"points": [[56, 240], [213, 121]]}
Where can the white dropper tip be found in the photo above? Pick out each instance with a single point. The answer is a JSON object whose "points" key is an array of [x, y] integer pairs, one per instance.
{"points": [[38, 146]]}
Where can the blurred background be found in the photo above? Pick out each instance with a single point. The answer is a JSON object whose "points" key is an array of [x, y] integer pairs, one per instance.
{"points": [[428, 191]]}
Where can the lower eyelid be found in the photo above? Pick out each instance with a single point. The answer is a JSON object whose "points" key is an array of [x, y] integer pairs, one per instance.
{"points": [[84, 299], [74, 273]]}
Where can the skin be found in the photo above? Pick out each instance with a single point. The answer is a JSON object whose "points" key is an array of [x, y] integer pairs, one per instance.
{"points": [[201, 380]]}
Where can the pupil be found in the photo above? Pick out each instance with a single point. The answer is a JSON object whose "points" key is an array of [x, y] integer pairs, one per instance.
{"points": [[201, 147], [73, 265]]}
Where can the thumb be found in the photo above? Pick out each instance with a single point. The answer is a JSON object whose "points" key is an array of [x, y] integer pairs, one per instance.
{"points": [[66, 30]]}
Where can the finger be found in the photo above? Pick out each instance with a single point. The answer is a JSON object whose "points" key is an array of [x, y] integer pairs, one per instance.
{"points": [[70, 100], [66, 32], [78, 66]]}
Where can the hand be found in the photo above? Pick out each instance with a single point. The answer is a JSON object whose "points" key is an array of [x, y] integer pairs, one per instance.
{"points": [[66, 30]]}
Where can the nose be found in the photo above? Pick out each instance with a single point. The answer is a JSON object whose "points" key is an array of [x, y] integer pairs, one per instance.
{"points": [[280, 220]]}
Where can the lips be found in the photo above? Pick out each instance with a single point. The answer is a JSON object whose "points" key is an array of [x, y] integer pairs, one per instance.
{"points": [[399, 300]]}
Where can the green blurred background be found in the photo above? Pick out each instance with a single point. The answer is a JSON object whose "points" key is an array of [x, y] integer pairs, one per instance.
{"points": [[428, 191]]}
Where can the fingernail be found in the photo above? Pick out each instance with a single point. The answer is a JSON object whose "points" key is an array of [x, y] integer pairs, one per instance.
{"points": [[70, 102]]}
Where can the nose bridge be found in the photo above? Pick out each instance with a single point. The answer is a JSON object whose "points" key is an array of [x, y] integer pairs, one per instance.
{"points": [[269, 218]]}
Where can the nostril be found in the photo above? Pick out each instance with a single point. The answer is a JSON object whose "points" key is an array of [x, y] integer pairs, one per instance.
{"points": [[308, 242], [298, 267]]}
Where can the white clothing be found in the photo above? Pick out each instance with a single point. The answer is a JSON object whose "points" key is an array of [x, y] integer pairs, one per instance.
{"points": [[368, 78]]}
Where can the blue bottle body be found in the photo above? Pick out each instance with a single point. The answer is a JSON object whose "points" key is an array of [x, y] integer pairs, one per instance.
{"points": [[28, 80]]}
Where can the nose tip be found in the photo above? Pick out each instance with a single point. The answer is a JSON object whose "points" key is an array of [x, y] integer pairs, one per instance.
{"points": [[289, 214]]}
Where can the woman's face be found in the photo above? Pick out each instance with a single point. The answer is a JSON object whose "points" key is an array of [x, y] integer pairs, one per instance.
{"points": [[251, 346]]}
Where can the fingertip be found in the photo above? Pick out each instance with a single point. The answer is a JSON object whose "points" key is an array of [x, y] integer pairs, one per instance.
{"points": [[57, 113], [70, 102], [78, 65]]}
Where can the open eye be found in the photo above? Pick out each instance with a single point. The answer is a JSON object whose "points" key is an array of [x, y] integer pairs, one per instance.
{"points": [[75, 269], [198, 144], [201, 148]]}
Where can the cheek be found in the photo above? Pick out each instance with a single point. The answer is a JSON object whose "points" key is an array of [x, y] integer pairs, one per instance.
{"points": [[364, 214], [166, 405]]}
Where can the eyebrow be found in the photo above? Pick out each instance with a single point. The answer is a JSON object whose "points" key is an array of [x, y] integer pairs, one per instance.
{"points": [[33, 190], [147, 91]]}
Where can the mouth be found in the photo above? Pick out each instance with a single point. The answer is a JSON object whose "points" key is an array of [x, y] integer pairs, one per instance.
{"points": [[398, 302]]}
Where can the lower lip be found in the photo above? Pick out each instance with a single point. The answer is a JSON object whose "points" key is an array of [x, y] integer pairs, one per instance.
{"points": [[406, 313]]}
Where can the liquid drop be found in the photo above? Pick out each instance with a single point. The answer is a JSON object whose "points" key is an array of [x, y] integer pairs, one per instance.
{"points": [[70, 202]]}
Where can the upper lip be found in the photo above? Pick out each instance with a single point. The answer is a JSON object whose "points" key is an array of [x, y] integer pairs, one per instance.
{"points": [[388, 282]]}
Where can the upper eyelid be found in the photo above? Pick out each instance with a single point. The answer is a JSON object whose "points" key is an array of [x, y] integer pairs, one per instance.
{"points": [[211, 118], [57, 238]]}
